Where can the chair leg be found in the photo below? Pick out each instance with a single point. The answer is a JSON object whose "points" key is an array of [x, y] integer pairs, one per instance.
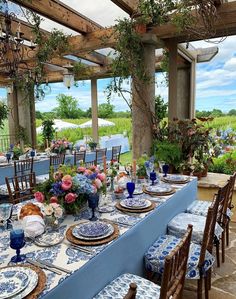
{"points": [[217, 244], [199, 287], [206, 284], [209, 279], [223, 246], [227, 234]]}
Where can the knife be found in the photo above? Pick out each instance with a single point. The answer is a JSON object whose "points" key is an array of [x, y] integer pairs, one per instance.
{"points": [[82, 249], [54, 266], [37, 264]]}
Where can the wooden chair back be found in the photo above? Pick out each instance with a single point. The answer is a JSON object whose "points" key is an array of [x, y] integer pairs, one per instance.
{"points": [[209, 230], [56, 161], [115, 153], [88, 164], [78, 157], [100, 153], [22, 167], [175, 268], [21, 188], [231, 190], [223, 199], [132, 291]]}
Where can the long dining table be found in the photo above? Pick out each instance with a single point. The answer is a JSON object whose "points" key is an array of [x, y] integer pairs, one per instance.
{"points": [[91, 272]]}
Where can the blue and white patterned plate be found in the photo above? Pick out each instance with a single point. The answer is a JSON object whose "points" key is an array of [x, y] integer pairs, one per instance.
{"points": [[176, 178], [76, 234], [93, 229], [33, 281], [12, 281], [106, 209], [49, 239], [160, 188], [135, 203]]}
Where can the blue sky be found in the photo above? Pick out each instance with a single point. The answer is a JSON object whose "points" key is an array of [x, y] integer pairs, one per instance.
{"points": [[215, 84]]}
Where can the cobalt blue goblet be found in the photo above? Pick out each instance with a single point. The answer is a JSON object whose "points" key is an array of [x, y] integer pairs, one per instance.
{"points": [[32, 153], [17, 241], [165, 169], [8, 156], [153, 176], [130, 188], [93, 204]]}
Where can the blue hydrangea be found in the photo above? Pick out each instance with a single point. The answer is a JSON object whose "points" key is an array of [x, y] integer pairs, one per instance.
{"points": [[82, 184]]}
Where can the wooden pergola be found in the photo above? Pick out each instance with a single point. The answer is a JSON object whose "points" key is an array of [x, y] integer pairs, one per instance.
{"points": [[91, 37]]}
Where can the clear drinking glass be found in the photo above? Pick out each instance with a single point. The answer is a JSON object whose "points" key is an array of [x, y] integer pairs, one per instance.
{"points": [[5, 212]]}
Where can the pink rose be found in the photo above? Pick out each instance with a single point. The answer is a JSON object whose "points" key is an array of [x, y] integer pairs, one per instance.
{"points": [[101, 176], [67, 178], [98, 183], [39, 196], [66, 185], [81, 169], [53, 199], [70, 197], [93, 167], [95, 190]]}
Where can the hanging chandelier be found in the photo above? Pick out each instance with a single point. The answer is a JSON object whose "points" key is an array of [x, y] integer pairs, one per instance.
{"points": [[68, 76], [13, 51]]}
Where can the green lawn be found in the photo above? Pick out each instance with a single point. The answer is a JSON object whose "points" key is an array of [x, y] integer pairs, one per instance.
{"points": [[126, 158]]}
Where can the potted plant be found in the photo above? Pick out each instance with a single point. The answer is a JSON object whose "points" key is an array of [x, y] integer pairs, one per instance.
{"points": [[48, 131], [141, 169], [92, 144]]}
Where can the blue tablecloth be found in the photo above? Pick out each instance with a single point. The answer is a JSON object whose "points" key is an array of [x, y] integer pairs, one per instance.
{"points": [[42, 166], [126, 253]]}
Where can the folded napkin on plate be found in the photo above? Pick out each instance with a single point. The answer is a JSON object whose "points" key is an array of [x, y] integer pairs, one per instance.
{"points": [[3, 159], [33, 225]]}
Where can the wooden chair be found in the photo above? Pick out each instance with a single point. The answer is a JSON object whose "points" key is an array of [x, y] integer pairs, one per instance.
{"points": [[90, 163], [21, 188], [115, 153], [230, 205], [172, 281], [22, 167], [56, 161], [78, 157], [100, 153]]}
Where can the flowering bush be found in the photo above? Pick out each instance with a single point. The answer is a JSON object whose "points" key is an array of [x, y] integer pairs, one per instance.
{"points": [[70, 187], [60, 146]]}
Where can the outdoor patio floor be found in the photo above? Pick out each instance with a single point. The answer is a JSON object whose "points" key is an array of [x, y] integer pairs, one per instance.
{"points": [[223, 278]]}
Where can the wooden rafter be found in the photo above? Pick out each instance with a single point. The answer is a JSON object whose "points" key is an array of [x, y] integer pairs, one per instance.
{"points": [[129, 6], [57, 11]]}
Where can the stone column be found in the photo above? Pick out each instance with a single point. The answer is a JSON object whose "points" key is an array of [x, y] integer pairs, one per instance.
{"points": [[94, 105], [143, 105]]}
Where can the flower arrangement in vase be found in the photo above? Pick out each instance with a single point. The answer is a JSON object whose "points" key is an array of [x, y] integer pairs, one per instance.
{"points": [[70, 187], [112, 172], [60, 146]]}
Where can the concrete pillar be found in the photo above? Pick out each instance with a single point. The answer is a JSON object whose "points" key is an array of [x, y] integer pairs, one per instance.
{"points": [[183, 94], [143, 105], [192, 88], [94, 105], [13, 119]]}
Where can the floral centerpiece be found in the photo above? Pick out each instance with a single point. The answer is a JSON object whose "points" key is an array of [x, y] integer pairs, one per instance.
{"points": [[70, 187], [112, 172], [60, 146]]}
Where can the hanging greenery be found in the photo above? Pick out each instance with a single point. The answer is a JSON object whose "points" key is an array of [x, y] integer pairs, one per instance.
{"points": [[3, 113]]}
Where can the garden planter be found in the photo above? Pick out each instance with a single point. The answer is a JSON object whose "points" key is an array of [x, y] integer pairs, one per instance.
{"points": [[204, 172]]}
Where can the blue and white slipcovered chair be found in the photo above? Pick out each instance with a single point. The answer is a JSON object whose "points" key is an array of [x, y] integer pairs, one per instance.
{"points": [[199, 207], [172, 282], [200, 258]]}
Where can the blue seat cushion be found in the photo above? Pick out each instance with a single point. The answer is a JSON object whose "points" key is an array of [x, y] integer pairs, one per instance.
{"points": [[155, 256], [119, 287]]}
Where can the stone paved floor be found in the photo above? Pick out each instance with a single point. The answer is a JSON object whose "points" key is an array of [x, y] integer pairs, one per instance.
{"points": [[223, 278]]}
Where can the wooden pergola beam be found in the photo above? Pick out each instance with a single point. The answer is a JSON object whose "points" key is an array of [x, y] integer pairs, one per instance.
{"points": [[59, 12], [129, 6]]}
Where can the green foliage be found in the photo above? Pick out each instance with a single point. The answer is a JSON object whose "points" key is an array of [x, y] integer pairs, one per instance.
{"points": [[38, 114], [160, 108], [169, 152], [17, 152], [105, 110], [224, 164], [48, 130], [67, 107], [3, 113], [216, 113], [232, 112], [141, 169]]}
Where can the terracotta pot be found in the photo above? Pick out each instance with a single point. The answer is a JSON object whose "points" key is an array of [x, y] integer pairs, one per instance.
{"points": [[198, 175], [204, 172], [140, 28]]}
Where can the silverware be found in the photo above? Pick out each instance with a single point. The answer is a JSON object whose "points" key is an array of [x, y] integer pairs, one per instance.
{"points": [[117, 222], [53, 266], [85, 250], [35, 263]]}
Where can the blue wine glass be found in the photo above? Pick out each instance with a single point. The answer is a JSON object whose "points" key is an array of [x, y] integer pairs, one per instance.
{"points": [[32, 153], [153, 176], [5, 212], [165, 169], [130, 188], [93, 204], [17, 241], [8, 156]]}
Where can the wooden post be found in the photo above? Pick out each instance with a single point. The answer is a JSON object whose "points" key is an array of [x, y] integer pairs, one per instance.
{"points": [[173, 75], [94, 105], [192, 89], [13, 118]]}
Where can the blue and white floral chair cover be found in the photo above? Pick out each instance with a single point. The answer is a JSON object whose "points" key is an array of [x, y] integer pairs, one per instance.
{"points": [[119, 287], [178, 225], [200, 207], [156, 254]]}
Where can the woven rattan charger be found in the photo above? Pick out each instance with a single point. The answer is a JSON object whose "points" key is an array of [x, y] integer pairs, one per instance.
{"points": [[77, 241], [123, 209]]}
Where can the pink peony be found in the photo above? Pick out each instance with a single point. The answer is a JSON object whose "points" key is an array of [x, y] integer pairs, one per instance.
{"points": [[81, 169], [95, 190], [98, 183], [58, 176], [101, 176], [39, 196], [53, 199], [70, 197], [93, 167], [66, 185], [67, 178]]}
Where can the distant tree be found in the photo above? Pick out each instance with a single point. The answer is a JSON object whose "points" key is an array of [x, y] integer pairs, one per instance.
{"points": [[232, 112], [3, 113], [68, 107], [216, 113], [49, 115], [38, 115], [88, 113], [160, 107], [203, 113], [122, 114], [105, 110]]}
